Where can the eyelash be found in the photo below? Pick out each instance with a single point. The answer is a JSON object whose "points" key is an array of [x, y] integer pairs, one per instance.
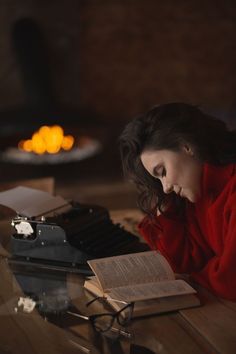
{"points": [[163, 172]]}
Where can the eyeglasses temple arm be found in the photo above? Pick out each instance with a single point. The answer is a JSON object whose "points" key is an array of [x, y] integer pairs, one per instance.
{"points": [[78, 315]]}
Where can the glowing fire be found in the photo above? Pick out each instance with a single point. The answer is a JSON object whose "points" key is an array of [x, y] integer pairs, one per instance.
{"points": [[48, 139]]}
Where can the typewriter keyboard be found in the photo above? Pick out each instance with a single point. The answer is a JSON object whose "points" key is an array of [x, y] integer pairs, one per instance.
{"points": [[90, 229]]}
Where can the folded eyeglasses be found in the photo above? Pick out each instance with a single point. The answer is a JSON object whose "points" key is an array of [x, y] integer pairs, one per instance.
{"points": [[103, 322]]}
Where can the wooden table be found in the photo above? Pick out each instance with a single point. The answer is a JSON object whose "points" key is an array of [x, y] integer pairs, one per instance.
{"points": [[209, 329]]}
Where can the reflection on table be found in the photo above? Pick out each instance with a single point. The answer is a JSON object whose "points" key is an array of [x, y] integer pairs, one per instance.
{"points": [[51, 327]]}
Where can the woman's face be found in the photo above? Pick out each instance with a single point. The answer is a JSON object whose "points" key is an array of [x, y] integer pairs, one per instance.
{"points": [[178, 171]]}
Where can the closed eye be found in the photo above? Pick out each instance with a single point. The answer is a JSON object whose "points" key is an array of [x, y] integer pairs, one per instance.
{"points": [[159, 171], [163, 174]]}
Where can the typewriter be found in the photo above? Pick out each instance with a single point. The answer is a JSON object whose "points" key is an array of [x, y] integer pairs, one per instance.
{"points": [[49, 230]]}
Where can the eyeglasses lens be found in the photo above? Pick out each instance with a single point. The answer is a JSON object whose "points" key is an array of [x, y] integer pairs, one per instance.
{"points": [[103, 323]]}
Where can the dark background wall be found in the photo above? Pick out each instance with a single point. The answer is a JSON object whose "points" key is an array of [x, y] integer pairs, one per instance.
{"points": [[113, 59]]}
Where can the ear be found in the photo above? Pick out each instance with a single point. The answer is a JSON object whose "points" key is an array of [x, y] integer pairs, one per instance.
{"points": [[188, 149]]}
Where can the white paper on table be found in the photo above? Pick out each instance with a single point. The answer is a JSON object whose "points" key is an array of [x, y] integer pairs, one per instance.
{"points": [[31, 202]]}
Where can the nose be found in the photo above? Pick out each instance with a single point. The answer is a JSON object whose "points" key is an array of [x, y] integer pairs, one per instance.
{"points": [[167, 188]]}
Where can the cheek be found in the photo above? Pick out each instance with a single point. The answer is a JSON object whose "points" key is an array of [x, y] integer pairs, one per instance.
{"points": [[174, 174], [185, 172], [193, 177], [178, 168]]}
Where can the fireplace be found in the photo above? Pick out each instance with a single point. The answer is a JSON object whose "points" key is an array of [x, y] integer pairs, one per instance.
{"points": [[49, 145]]}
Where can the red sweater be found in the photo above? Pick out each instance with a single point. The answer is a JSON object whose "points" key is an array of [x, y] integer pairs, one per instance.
{"points": [[204, 245]]}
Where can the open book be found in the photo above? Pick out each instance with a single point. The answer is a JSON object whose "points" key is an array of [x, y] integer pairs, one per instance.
{"points": [[144, 278]]}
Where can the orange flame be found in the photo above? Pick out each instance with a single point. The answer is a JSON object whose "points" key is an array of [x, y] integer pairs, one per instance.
{"points": [[48, 139]]}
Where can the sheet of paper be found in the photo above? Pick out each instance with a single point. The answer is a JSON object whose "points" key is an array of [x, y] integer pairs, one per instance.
{"points": [[30, 202]]}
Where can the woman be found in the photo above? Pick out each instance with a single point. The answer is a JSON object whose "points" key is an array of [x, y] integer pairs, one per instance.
{"points": [[183, 162]]}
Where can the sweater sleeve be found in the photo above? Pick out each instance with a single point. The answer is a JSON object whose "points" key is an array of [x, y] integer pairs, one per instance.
{"points": [[219, 274], [174, 240], [183, 247]]}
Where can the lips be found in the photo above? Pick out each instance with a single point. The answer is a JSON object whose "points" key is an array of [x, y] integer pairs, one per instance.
{"points": [[179, 192]]}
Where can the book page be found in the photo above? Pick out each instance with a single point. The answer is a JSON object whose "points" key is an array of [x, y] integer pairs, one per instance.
{"points": [[159, 305], [134, 268], [93, 286], [151, 290]]}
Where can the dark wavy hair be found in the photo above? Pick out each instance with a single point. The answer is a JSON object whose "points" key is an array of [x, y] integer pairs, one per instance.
{"points": [[168, 127]]}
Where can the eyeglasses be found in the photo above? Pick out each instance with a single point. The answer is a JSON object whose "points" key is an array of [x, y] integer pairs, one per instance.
{"points": [[103, 322]]}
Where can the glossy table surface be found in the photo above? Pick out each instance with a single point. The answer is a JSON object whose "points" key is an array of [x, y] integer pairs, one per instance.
{"points": [[49, 328]]}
